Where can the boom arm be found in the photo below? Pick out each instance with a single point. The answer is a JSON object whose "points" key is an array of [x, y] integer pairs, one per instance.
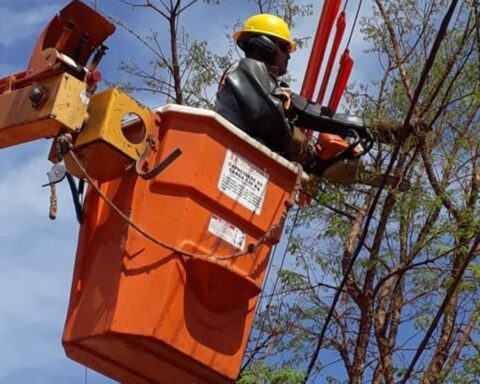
{"points": [[33, 102], [54, 97]]}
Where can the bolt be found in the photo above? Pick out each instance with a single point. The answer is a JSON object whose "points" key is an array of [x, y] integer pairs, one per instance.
{"points": [[37, 96]]}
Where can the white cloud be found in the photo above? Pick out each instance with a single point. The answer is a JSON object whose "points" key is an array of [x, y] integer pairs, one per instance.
{"points": [[22, 24], [36, 259]]}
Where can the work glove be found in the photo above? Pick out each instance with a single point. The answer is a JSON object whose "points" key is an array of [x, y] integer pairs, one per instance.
{"points": [[299, 149]]}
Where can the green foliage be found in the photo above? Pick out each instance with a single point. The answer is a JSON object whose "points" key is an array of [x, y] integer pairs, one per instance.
{"points": [[475, 269], [469, 374], [290, 278], [205, 67], [261, 373]]}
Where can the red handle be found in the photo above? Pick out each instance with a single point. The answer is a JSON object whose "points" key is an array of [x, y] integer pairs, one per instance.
{"points": [[333, 54], [325, 25], [346, 64]]}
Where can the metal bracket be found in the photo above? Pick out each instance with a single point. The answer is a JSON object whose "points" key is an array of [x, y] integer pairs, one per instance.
{"points": [[139, 166], [56, 174]]}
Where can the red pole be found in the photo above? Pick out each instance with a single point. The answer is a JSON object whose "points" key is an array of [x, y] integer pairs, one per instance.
{"points": [[346, 64], [325, 24], [333, 54], [329, 11]]}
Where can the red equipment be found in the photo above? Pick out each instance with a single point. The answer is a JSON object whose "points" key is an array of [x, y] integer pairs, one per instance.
{"points": [[325, 25], [333, 54]]}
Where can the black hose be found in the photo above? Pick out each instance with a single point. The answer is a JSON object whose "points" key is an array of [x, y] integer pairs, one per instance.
{"points": [[76, 195]]}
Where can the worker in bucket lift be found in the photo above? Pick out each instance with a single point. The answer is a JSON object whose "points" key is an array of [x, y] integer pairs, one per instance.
{"points": [[252, 97]]}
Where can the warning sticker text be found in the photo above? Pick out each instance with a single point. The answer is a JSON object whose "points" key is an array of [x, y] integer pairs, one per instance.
{"points": [[243, 182], [227, 232]]}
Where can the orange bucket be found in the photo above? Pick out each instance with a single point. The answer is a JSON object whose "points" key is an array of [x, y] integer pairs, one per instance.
{"points": [[179, 310]]}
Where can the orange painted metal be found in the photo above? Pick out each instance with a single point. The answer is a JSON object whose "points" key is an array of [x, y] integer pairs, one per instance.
{"points": [[74, 33], [62, 109], [56, 73], [331, 145], [141, 313], [107, 145], [8, 83]]}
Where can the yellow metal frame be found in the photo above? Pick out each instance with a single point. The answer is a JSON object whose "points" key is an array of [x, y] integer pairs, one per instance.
{"points": [[64, 107], [103, 145], [106, 111]]}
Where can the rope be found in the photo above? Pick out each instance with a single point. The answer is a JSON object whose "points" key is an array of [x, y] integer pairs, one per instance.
{"points": [[265, 315], [251, 248], [52, 214]]}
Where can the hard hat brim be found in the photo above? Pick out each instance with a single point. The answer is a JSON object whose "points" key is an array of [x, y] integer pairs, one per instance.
{"points": [[237, 34]]}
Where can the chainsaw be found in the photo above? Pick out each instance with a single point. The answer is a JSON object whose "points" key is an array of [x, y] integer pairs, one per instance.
{"points": [[342, 140]]}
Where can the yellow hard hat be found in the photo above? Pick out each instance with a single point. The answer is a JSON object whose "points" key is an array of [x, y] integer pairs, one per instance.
{"points": [[266, 24]]}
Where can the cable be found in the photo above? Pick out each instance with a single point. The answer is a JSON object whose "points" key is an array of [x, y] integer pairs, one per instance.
{"points": [[354, 23], [431, 58], [294, 224], [451, 290], [76, 197], [339, 291], [262, 296], [265, 315], [428, 65]]}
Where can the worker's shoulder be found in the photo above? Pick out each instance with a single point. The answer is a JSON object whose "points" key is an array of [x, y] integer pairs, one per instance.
{"points": [[253, 65], [247, 65], [254, 71]]}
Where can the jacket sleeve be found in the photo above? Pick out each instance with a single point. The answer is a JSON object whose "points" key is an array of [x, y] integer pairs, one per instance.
{"points": [[247, 99]]}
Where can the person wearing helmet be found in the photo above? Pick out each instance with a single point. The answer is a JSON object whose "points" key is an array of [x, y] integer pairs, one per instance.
{"points": [[252, 97], [267, 38]]}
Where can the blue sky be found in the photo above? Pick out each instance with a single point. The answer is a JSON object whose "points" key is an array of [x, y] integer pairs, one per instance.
{"points": [[36, 254]]}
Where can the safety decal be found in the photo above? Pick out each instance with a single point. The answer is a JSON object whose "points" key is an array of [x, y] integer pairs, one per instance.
{"points": [[227, 232], [243, 182]]}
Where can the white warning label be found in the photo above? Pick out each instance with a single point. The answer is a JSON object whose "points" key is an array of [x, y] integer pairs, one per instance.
{"points": [[226, 231], [243, 182]]}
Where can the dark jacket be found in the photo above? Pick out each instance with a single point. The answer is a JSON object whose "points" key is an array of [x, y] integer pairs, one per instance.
{"points": [[250, 98]]}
